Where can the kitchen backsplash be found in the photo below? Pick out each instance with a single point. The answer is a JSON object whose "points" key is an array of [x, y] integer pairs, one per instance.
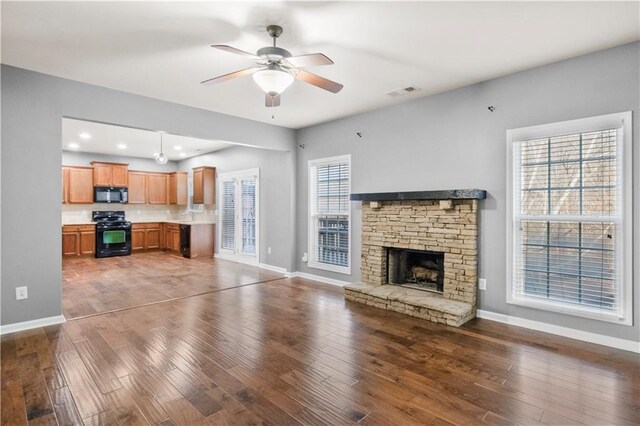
{"points": [[81, 213]]}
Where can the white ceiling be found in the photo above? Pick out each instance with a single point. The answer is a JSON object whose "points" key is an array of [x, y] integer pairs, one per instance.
{"points": [[108, 139], [161, 49]]}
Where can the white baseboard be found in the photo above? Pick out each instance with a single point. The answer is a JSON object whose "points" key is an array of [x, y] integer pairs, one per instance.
{"points": [[248, 261], [318, 278], [585, 336], [28, 325], [283, 271]]}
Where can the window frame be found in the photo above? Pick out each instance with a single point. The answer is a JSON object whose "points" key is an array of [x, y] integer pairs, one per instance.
{"points": [[312, 237], [623, 123]]}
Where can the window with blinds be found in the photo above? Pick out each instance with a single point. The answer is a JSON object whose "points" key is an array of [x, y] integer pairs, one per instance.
{"points": [[567, 224], [239, 212], [330, 214], [227, 225], [248, 190]]}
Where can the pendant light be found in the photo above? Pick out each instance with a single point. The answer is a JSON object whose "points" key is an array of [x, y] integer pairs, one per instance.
{"points": [[161, 158]]}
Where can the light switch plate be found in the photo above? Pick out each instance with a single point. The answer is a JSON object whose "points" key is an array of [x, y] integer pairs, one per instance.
{"points": [[482, 284]]}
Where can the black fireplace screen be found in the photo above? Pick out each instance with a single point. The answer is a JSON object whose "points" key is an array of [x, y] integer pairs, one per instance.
{"points": [[423, 270]]}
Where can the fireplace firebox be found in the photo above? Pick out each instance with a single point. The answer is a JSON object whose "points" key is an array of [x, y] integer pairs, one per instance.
{"points": [[422, 270]]}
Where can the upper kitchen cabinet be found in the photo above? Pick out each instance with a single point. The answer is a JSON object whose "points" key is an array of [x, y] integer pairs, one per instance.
{"points": [[178, 188], [77, 185], [137, 188], [157, 188], [204, 180], [110, 174]]}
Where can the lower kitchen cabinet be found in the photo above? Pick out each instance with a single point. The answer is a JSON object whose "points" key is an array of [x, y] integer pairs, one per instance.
{"points": [[138, 234], [78, 240], [172, 237], [145, 236], [153, 237]]}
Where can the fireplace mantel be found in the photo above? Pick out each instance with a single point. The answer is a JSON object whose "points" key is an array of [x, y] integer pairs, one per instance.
{"points": [[448, 194]]}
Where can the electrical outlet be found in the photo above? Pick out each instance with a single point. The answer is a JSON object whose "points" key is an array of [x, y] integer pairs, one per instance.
{"points": [[482, 284], [305, 257], [21, 293], [268, 250]]}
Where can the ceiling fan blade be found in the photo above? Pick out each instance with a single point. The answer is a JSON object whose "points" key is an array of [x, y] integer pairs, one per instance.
{"points": [[272, 101], [231, 49], [231, 75], [309, 60], [318, 81]]}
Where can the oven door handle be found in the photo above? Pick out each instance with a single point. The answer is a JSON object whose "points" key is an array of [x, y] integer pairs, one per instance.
{"points": [[113, 228]]}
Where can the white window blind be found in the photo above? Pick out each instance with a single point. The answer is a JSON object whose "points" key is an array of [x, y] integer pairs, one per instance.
{"points": [[330, 216], [248, 190], [227, 222], [568, 217]]}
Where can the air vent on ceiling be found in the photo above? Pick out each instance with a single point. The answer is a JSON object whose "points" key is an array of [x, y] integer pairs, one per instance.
{"points": [[402, 92]]}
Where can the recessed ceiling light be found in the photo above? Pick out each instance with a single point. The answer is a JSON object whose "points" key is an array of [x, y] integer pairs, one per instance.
{"points": [[84, 135], [74, 145], [122, 146], [182, 154], [177, 147]]}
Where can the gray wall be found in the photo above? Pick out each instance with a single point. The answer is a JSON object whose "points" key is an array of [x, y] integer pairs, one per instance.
{"points": [[275, 195], [452, 141], [72, 158], [33, 106]]}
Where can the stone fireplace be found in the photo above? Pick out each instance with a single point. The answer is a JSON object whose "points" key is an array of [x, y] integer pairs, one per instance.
{"points": [[420, 254]]}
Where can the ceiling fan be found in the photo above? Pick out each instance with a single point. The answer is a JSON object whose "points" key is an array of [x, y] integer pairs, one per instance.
{"points": [[276, 69]]}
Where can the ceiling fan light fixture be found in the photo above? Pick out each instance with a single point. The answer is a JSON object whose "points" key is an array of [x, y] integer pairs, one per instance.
{"points": [[273, 81]]}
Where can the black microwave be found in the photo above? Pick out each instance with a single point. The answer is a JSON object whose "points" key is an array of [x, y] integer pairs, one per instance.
{"points": [[110, 194]]}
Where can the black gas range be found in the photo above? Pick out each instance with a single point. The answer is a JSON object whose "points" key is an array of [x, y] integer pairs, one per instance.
{"points": [[113, 233]]}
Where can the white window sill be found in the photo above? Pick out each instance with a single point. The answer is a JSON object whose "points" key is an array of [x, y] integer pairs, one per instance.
{"points": [[328, 267], [567, 309]]}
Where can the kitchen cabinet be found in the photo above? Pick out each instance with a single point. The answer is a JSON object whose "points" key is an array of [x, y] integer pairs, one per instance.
{"points": [[65, 184], [110, 174], [87, 240], [200, 240], [137, 188], [204, 180], [78, 240], [70, 242], [157, 188], [77, 185], [145, 236], [138, 234], [178, 187], [172, 237]]}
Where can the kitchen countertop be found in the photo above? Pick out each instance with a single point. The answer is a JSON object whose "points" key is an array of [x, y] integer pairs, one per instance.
{"points": [[178, 222]]}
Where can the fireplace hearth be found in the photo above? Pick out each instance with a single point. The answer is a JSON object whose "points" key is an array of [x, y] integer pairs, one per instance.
{"points": [[418, 269]]}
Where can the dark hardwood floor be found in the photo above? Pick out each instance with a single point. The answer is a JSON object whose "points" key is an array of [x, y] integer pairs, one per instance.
{"points": [[290, 351]]}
